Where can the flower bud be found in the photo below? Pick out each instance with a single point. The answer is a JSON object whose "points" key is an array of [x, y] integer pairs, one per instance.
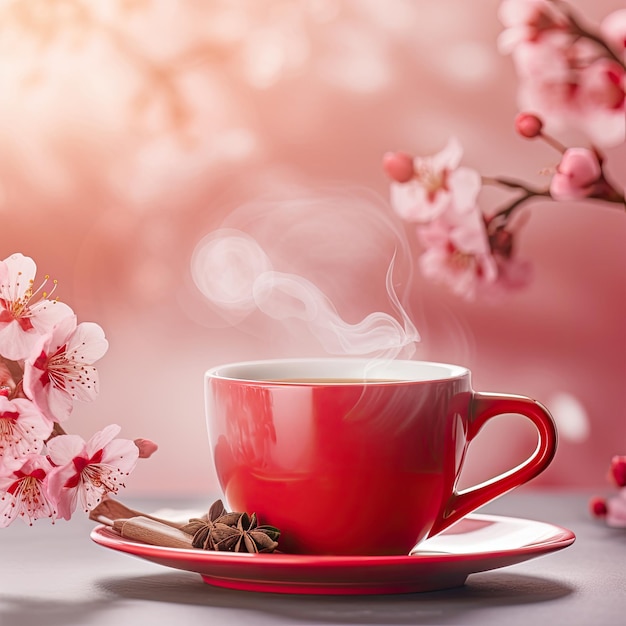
{"points": [[528, 125], [598, 507], [398, 166], [146, 448], [618, 470], [576, 175]]}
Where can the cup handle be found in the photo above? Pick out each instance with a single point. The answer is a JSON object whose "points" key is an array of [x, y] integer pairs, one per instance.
{"points": [[485, 406]]}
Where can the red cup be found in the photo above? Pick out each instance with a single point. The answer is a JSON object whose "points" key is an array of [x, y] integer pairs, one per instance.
{"points": [[354, 456]]}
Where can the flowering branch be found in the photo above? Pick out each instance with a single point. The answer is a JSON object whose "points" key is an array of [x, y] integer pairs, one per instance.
{"points": [[46, 364], [569, 76], [528, 194]]}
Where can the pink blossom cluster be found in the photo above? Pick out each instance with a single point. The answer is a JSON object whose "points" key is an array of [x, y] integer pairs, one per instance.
{"points": [[46, 364], [568, 74], [571, 76], [441, 197]]}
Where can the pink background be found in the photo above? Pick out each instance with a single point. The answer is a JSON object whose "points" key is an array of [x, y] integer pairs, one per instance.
{"points": [[131, 131]]}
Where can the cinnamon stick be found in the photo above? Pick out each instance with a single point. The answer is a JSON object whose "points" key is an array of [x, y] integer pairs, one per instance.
{"points": [[153, 532]]}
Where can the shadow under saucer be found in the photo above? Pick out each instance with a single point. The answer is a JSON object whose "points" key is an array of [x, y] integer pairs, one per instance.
{"points": [[483, 591]]}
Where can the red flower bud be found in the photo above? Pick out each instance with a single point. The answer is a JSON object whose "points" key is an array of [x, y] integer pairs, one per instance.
{"points": [[528, 125], [618, 470], [146, 448], [598, 508], [398, 166]]}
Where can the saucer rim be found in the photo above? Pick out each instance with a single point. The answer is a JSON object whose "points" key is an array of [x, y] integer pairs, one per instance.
{"points": [[560, 537]]}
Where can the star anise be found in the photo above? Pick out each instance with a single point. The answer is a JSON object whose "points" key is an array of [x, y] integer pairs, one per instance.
{"points": [[231, 532], [202, 527]]}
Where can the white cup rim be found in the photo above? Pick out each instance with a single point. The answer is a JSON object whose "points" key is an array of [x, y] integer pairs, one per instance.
{"points": [[287, 371]]}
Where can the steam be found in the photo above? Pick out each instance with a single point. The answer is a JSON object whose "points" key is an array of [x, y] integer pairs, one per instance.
{"points": [[237, 277], [282, 296], [225, 267]]}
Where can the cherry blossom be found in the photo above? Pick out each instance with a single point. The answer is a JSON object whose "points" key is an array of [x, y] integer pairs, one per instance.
{"points": [[23, 429], [576, 175], [88, 470], [600, 109], [438, 184], [601, 87], [527, 21], [23, 490], [457, 254], [25, 311], [571, 82], [46, 363], [61, 370], [513, 272]]}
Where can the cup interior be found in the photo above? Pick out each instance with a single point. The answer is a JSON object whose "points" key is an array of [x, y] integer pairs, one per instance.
{"points": [[337, 371]]}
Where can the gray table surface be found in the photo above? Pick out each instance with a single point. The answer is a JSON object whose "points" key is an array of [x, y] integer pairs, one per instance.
{"points": [[55, 575]]}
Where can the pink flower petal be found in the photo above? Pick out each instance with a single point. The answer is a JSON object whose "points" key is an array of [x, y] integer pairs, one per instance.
{"points": [[613, 29], [63, 448], [101, 439], [123, 453], [410, 202], [465, 185], [20, 273], [450, 157], [23, 429], [88, 342], [91, 470], [59, 369], [23, 491]]}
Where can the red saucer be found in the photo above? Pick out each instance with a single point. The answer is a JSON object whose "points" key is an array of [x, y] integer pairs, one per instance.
{"points": [[475, 544]]}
